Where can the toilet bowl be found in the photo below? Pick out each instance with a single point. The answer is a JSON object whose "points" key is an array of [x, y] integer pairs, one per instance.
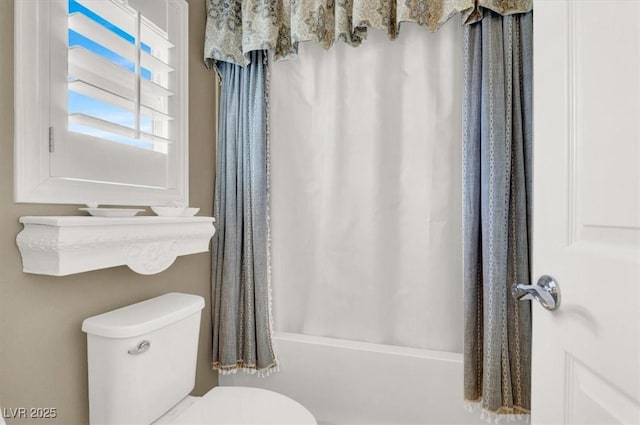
{"points": [[142, 364], [238, 405]]}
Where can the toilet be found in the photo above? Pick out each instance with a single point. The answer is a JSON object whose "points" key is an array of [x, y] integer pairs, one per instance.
{"points": [[142, 365]]}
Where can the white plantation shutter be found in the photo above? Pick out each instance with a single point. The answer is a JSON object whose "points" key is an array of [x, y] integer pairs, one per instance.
{"points": [[119, 114], [101, 101], [98, 77]]}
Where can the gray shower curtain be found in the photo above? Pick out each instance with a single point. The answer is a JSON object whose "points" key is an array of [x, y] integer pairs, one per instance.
{"points": [[497, 210], [241, 310]]}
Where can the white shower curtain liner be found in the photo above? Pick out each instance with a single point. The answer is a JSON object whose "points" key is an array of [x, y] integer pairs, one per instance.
{"points": [[366, 190]]}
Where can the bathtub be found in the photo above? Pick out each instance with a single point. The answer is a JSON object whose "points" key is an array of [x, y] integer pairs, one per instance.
{"points": [[348, 382]]}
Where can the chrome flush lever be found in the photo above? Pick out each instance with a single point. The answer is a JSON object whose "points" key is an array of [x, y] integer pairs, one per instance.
{"points": [[546, 291], [142, 347]]}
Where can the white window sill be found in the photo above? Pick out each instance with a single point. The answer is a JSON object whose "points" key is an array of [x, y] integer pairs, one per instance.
{"points": [[63, 245]]}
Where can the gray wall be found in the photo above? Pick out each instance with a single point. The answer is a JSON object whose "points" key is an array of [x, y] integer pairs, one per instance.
{"points": [[42, 349]]}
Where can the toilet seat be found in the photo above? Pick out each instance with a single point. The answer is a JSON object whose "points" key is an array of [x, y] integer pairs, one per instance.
{"points": [[246, 406]]}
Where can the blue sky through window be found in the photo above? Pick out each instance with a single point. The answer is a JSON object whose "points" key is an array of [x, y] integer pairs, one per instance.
{"points": [[78, 103]]}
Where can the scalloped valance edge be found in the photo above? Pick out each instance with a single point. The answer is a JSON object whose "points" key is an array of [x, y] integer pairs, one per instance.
{"points": [[236, 27]]}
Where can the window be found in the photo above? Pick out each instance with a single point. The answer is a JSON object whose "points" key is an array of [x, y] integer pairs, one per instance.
{"points": [[101, 101]]}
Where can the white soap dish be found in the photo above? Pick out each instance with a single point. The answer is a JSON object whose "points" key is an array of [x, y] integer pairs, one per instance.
{"points": [[190, 212], [174, 211], [112, 212]]}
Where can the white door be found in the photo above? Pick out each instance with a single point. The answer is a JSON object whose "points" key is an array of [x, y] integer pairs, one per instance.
{"points": [[586, 354]]}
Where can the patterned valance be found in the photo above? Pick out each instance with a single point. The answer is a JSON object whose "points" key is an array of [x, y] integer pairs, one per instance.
{"points": [[236, 27]]}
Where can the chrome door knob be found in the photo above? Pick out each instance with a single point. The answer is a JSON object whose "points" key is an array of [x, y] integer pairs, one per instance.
{"points": [[546, 291]]}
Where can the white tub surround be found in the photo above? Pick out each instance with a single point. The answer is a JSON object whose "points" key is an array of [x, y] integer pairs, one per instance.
{"points": [[63, 245], [358, 383]]}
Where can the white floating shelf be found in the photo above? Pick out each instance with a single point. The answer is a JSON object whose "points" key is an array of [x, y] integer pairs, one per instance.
{"points": [[63, 245]]}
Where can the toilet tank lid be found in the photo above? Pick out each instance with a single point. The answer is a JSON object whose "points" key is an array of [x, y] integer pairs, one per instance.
{"points": [[143, 317]]}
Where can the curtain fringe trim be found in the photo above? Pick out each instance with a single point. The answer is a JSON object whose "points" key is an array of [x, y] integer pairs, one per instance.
{"points": [[502, 415], [250, 370], [267, 113]]}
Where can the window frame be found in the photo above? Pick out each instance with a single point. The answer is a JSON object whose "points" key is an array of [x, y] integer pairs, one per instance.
{"points": [[33, 182]]}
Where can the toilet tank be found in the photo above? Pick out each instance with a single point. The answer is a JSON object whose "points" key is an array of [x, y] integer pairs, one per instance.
{"points": [[142, 358]]}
